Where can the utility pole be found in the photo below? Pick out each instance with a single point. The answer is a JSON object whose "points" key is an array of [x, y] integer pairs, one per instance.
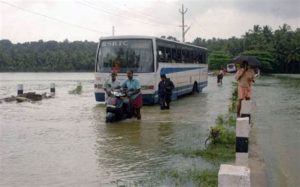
{"points": [[182, 11], [113, 30]]}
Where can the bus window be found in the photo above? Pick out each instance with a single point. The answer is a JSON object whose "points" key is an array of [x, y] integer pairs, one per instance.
{"points": [[190, 56], [161, 54], [183, 56], [168, 55], [195, 60], [121, 55], [174, 55], [200, 59], [179, 56]]}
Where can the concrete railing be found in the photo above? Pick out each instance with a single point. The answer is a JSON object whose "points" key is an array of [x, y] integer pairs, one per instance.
{"points": [[20, 90], [29, 96], [238, 175]]}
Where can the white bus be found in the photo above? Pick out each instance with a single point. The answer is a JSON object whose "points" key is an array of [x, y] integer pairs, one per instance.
{"points": [[149, 57]]}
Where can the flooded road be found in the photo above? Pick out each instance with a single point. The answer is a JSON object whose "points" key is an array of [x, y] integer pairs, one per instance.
{"points": [[65, 141], [278, 127]]}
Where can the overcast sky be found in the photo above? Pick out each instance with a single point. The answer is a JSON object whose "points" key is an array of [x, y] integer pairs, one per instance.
{"points": [[32, 20]]}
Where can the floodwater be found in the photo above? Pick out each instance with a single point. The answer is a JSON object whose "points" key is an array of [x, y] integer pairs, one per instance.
{"points": [[278, 127], [65, 141]]}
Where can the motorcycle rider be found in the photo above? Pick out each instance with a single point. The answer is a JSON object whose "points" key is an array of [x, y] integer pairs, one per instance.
{"points": [[134, 93], [111, 84]]}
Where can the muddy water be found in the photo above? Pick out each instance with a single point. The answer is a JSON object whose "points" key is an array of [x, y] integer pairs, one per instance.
{"points": [[278, 127], [65, 142]]}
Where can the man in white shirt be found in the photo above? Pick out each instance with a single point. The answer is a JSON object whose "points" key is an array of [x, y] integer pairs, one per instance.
{"points": [[111, 84]]}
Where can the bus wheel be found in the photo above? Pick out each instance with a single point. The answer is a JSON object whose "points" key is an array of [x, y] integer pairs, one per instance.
{"points": [[195, 88]]}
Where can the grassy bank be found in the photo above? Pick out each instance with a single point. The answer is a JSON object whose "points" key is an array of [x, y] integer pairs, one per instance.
{"points": [[219, 148]]}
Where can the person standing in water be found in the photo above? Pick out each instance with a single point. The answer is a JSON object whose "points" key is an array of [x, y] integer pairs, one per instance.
{"points": [[220, 76], [133, 88], [165, 88]]}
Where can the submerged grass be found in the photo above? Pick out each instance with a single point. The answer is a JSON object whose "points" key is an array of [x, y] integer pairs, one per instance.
{"points": [[204, 178], [207, 178], [220, 147], [77, 90], [234, 98], [221, 150], [218, 152]]}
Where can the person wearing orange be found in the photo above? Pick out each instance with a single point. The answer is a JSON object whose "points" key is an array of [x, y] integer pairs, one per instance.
{"points": [[245, 77]]}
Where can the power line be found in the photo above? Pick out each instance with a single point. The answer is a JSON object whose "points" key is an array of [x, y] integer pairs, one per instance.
{"points": [[148, 17], [116, 7], [90, 5], [170, 3], [51, 18], [102, 10], [139, 13]]}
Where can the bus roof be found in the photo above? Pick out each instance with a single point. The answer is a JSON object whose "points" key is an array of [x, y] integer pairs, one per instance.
{"points": [[148, 37]]}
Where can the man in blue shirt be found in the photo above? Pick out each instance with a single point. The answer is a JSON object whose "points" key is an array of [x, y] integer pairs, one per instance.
{"points": [[134, 93]]}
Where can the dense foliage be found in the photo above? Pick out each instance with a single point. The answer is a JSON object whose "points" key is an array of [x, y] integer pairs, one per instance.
{"points": [[47, 56], [218, 59], [278, 51]]}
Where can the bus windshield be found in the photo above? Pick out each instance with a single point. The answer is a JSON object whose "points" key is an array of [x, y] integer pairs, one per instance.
{"points": [[123, 54]]}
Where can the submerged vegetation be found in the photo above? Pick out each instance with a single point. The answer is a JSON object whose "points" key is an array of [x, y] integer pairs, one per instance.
{"points": [[205, 178], [220, 148], [77, 90]]}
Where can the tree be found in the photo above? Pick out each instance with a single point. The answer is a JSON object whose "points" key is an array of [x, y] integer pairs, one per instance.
{"points": [[47, 56], [279, 51], [265, 58], [218, 59]]}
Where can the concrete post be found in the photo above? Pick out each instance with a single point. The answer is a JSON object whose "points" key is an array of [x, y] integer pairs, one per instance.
{"points": [[20, 89], [242, 141], [246, 109], [233, 176], [52, 88]]}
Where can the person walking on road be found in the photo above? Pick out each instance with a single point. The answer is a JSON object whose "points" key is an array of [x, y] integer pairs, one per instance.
{"points": [[245, 77], [165, 88], [220, 76]]}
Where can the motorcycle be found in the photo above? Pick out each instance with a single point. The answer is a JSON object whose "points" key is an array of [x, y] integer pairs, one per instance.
{"points": [[117, 107]]}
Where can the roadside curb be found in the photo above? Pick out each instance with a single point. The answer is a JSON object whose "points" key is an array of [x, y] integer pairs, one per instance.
{"points": [[258, 173]]}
